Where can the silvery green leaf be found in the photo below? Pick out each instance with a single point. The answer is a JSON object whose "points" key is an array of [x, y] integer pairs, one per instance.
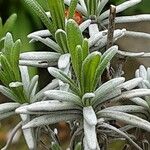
{"points": [[36, 63], [25, 77], [105, 125], [8, 93], [52, 106], [57, 9], [72, 8], [137, 35], [137, 74], [93, 29], [28, 133], [89, 71], [132, 94], [63, 96], [127, 108], [33, 4], [85, 25], [41, 33], [140, 101], [85, 144], [107, 87], [90, 135], [74, 38], [93, 40], [101, 5], [126, 118], [130, 54], [15, 84], [61, 38], [89, 116], [117, 34], [63, 61], [50, 86], [85, 48], [22, 109], [51, 119], [143, 72], [33, 92], [105, 60], [6, 114], [120, 8], [128, 85], [7, 107], [91, 7], [8, 44], [87, 97], [148, 74], [79, 7], [40, 56], [63, 77], [48, 42], [129, 19], [146, 82], [114, 93], [78, 62], [32, 84], [82, 2]]}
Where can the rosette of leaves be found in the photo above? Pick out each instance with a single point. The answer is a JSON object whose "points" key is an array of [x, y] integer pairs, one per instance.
{"points": [[18, 87], [86, 97]]}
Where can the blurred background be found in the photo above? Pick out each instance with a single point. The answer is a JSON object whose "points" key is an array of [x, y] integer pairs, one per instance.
{"points": [[28, 22]]}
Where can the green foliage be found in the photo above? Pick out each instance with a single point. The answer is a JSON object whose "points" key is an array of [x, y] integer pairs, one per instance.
{"points": [[10, 67], [8, 25]]}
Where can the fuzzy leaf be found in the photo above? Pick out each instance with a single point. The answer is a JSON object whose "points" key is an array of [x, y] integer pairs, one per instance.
{"points": [[28, 133], [8, 93], [64, 61], [40, 56], [61, 38], [7, 107], [8, 44], [14, 59], [50, 119], [40, 94], [9, 23], [72, 8], [126, 118], [85, 48], [106, 58], [63, 96], [106, 88], [89, 116], [88, 71], [63, 77], [52, 106], [25, 78], [33, 4], [90, 135], [74, 38], [57, 12]]}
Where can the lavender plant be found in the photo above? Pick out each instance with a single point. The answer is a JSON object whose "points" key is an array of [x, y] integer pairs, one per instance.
{"points": [[78, 95]]}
